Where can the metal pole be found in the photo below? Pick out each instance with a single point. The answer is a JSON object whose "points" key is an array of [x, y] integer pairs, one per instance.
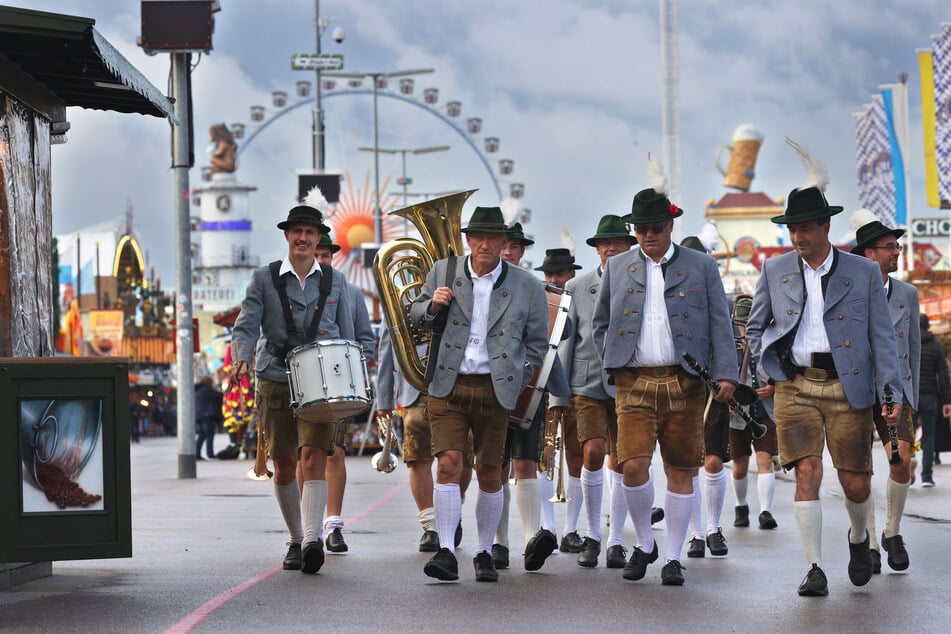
{"points": [[405, 197], [183, 280], [318, 114], [377, 213]]}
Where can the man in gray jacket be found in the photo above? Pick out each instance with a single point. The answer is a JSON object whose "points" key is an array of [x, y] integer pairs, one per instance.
{"points": [[495, 336], [284, 324], [820, 328], [880, 244], [654, 304]]}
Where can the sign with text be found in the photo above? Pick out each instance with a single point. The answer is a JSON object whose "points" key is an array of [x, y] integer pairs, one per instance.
{"points": [[931, 227], [214, 294], [312, 61]]}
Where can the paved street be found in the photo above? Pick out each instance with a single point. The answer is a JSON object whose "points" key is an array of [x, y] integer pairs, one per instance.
{"points": [[207, 559]]}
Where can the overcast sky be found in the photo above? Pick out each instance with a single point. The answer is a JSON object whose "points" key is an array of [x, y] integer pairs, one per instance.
{"points": [[571, 87]]}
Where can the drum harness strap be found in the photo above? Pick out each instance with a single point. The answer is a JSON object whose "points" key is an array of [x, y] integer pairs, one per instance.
{"points": [[280, 284]]}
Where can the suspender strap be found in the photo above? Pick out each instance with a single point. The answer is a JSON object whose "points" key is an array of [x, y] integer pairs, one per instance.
{"points": [[326, 283], [280, 284]]}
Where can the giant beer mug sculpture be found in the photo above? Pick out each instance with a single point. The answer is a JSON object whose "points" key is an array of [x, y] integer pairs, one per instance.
{"points": [[741, 166]]}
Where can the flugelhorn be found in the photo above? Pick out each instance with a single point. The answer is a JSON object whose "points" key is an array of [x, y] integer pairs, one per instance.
{"points": [[260, 471], [400, 268], [384, 461], [554, 419]]}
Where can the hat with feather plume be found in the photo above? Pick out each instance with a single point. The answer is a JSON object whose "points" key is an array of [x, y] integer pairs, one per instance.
{"points": [[808, 202], [560, 259], [652, 204], [311, 211]]}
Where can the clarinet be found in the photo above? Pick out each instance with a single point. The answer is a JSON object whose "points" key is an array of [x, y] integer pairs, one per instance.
{"points": [[758, 428], [895, 458]]}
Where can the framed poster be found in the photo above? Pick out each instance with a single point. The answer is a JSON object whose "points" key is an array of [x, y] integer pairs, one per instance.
{"points": [[64, 459]]}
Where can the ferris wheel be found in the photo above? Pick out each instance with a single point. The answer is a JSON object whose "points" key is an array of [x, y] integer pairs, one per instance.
{"points": [[352, 220]]}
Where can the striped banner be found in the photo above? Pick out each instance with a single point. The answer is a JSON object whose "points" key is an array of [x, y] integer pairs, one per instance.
{"points": [[876, 180], [894, 100], [941, 48]]}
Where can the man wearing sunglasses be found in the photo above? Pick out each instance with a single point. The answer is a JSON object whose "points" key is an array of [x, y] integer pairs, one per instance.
{"points": [[654, 304], [880, 244]]}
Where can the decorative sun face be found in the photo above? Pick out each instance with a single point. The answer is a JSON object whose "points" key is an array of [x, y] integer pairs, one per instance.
{"points": [[352, 224]]}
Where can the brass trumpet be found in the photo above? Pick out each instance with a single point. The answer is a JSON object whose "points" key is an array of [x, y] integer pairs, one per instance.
{"points": [[554, 445], [384, 461]]}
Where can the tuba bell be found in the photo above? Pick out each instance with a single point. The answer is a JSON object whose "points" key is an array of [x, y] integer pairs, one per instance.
{"points": [[400, 268]]}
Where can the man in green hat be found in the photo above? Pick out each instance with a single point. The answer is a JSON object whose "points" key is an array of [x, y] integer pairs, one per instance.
{"points": [[880, 244], [820, 329], [336, 467], [291, 288], [592, 409], [516, 243], [654, 304], [495, 337]]}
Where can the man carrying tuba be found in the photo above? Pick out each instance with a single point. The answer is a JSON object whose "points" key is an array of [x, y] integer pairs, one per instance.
{"points": [[495, 336]]}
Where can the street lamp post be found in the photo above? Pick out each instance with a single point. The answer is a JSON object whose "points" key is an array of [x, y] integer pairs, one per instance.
{"points": [[377, 211]]}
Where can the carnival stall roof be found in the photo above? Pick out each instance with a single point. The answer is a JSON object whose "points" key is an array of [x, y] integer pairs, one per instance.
{"points": [[72, 61]]}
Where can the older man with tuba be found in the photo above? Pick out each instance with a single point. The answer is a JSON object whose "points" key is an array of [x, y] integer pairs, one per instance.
{"points": [[495, 335]]}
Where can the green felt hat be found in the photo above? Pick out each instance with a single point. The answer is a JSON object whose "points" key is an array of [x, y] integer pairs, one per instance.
{"points": [[870, 232], [611, 226], [515, 233], [307, 215], [805, 205], [486, 220], [652, 206], [325, 241]]}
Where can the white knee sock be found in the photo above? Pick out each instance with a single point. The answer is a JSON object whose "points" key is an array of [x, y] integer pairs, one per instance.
{"points": [[765, 486], [547, 492], [677, 507], [313, 503], [488, 514], [448, 507], [331, 522], [575, 499], [696, 511], [592, 483], [740, 487], [640, 500], [288, 500], [809, 518], [502, 531], [527, 495], [872, 531], [714, 492], [427, 519], [858, 514], [895, 495], [618, 509]]}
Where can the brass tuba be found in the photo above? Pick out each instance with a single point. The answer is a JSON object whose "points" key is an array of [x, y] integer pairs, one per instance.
{"points": [[400, 268]]}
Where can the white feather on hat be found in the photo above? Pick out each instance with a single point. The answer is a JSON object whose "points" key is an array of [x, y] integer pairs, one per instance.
{"points": [[656, 172], [510, 209], [862, 217], [816, 173], [315, 198], [709, 237], [566, 241]]}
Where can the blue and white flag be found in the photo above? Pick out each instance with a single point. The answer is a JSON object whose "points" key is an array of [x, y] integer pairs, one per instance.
{"points": [[894, 100], [875, 175], [942, 97]]}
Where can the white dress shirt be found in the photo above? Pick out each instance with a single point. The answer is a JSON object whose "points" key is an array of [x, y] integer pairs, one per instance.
{"points": [[811, 335], [287, 268], [475, 360], [655, 343]]}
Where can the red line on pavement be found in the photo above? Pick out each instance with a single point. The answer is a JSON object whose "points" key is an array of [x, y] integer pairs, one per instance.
{"points": [[206, 609]]}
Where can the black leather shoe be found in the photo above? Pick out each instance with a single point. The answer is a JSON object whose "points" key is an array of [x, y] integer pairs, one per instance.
{"points": [[442, 566], [860, 562], [657, 514], [571, 543], [697, 548], [539, 547], [335, 543], [672, 574], [636, 568], [815, 584], [717, 543], [876, 561], [313, 558], [897, 555], [485, 567], [293, 559], [767, 521], [457, 539], [429, 542], [617, 556], [742, 516], [500, 556], [588, 557]]}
